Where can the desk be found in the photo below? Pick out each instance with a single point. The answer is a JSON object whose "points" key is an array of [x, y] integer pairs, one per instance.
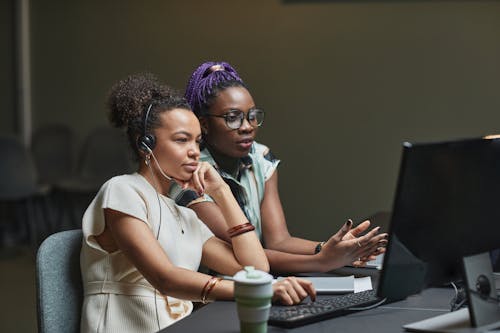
{"points": [[221, 317]]}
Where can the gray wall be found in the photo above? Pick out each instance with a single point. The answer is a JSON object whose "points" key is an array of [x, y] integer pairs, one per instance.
{"points": [[343, 82]]}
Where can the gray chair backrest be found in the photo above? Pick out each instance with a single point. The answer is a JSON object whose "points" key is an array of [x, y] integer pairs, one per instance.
{"points": [[104, 154], [59, 283], [17, 170], [53, 150]]}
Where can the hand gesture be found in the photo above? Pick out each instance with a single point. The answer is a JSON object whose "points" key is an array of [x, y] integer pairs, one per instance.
{"points": [[345, 247], [292, 290], [358, 230]]}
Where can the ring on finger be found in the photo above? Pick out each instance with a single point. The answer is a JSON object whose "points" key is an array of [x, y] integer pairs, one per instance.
{"points": [[359, 244]]}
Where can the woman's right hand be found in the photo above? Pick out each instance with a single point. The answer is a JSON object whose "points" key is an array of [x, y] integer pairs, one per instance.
{"points": [[292, 290], [206, 180]]}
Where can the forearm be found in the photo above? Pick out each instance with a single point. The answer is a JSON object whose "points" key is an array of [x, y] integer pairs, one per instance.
{"points": [[246, 247], [185, 284], [283, 262], [293, 245]]}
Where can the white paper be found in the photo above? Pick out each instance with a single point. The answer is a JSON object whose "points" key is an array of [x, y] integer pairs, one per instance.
{"points": [[362, 284], [332, 284], [376, 263]]}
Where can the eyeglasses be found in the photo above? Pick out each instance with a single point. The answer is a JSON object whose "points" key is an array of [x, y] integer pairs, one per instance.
{"points": [[234, 118]]}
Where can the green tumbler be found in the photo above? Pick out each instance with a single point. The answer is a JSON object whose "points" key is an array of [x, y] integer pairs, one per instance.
{"points": [[253, 293]]}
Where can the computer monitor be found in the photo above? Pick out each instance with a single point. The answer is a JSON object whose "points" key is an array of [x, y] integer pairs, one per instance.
{"points": [[446, 207]]}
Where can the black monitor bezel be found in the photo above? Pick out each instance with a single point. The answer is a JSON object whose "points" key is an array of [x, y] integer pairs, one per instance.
{"points": [[403, 275]]}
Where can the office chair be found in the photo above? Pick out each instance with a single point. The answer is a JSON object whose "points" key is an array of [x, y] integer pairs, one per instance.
{"points": [[21, 214], [104, 154], [53, 148], [17, 171], [59, 283]]}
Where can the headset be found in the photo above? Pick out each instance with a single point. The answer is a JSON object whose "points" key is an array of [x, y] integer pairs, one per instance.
{"points": [[147, 142]]}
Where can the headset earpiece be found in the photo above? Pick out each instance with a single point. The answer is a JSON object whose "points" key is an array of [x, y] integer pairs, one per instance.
{"points": [[147, 141]]}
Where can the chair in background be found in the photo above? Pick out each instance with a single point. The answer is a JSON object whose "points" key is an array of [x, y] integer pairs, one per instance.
{"points": [[53, 149], [59, 283], [21, 205], [104, 154]]}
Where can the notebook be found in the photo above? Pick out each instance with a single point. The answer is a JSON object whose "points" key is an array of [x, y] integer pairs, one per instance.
{"points": [[332, 285], [339, 285]]}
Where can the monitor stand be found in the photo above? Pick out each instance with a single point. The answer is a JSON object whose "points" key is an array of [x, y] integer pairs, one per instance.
{"points": [[483, 313]]}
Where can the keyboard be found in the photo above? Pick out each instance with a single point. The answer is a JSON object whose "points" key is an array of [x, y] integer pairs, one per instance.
{"points": [[323, 308]]}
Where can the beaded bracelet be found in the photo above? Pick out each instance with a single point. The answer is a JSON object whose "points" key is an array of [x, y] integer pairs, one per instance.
{"points": [[240, 229]]}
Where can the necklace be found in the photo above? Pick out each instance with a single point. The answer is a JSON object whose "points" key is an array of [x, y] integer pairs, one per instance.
{"points": [[175, 212]]}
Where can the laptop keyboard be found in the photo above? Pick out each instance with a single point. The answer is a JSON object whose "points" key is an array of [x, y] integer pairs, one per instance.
{"points": [[321, 309]]}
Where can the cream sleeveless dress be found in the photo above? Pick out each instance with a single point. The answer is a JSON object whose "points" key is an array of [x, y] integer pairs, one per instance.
{"points": [[117, 297]]}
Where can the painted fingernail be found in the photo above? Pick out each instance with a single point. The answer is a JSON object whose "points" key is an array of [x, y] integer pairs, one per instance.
{"points": [[347, 225]]}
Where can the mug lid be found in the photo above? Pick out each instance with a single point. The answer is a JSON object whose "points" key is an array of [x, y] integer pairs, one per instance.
{"points": [[250, 275]]}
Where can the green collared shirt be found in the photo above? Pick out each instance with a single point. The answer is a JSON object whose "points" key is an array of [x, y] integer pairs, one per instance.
{"points": [[249, 184]]}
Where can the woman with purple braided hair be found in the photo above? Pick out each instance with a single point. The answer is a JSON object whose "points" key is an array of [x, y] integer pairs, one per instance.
{"points": [[230, 120]]}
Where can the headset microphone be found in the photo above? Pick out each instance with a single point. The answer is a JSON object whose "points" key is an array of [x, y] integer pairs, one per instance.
{"points": [[150, 153], [146, 143], [160, 169]]}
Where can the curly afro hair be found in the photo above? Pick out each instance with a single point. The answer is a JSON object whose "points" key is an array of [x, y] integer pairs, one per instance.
{"points": [[129, 99]]}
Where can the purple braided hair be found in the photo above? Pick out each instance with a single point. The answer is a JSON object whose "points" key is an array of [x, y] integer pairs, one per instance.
{"points": [[204, 82]]}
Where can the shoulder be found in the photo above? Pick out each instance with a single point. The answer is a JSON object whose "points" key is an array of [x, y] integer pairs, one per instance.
{"points": [[125, 186], [124, 181], [263, 160], [262, 152]]}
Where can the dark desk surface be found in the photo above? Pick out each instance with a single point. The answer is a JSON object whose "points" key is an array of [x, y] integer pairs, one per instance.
{"points": [[221, 317]]}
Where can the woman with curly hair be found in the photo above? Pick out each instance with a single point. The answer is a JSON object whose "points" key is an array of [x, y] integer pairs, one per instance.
{"points": [[141, 251], [230, 120]]}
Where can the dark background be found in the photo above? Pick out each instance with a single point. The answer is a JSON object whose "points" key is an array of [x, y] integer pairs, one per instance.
{"points": [[343, 82]]}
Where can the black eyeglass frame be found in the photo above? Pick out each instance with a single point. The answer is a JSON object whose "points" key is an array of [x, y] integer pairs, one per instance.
{"points": [[241, 115]]}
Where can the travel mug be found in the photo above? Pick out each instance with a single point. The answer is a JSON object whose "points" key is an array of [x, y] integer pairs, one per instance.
{"points": [[253, 293]]}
